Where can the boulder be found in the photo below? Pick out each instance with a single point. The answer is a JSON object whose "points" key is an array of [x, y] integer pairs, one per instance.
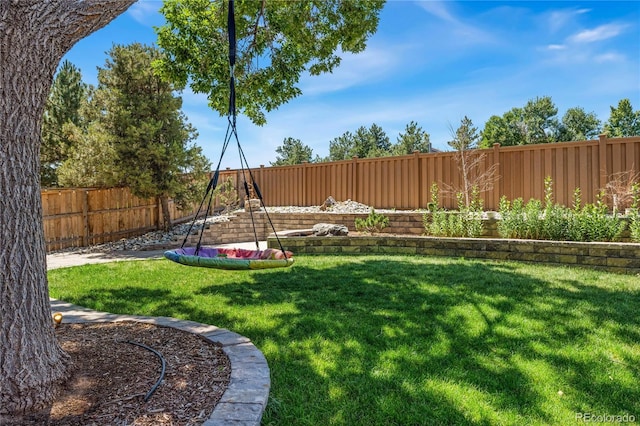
{"points": [[328, 229], [328, 203], [251, 205]]}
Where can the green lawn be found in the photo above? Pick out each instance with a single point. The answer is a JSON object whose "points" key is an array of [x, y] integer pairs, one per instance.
{"points": [[403, 340]]}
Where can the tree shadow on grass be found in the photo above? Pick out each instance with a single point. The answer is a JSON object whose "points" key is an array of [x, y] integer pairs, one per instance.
{"points": [[396, 341]]}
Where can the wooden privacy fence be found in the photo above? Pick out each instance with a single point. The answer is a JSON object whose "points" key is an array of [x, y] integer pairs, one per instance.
{"points": [[81, 217], [404, 182]]}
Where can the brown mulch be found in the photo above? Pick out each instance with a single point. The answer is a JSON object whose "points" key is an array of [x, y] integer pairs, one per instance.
{"points": [[109, 378]]}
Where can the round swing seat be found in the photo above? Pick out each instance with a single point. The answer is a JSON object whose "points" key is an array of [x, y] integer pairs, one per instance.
{"points": [[230, 258]]}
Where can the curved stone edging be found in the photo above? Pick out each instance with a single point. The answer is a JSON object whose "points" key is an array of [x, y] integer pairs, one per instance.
{"points": [[246, 396]]}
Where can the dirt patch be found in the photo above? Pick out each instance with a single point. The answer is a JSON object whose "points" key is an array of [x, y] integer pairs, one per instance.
{"points": [[110, 378]]}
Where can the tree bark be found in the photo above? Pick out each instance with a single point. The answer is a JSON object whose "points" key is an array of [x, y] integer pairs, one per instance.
{"points": [[34, 35]]}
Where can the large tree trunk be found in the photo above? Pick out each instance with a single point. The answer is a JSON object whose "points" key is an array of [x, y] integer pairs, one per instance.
{"points": [[34, 35]]}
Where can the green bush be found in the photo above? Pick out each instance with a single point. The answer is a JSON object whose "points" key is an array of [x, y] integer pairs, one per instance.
{"points": [[593, 223], [554, 222], [465, 222], [375, 222], [227, 195], [634, 217]]}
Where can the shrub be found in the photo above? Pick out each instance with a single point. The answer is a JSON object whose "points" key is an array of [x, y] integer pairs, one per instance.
{"points": [[520, 220], [634, 217], [227, 195], [465, 222], [556, 218], [375, 222], [554, 222], [593, 223]]}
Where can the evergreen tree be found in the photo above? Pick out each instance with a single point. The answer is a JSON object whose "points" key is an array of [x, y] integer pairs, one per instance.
{"points": [[380, 145], [342, 147], [413, 139], [292, 151], [623, 121], [92, 159], [62, 108], [370, 143], [465, 136], [150, 135], [365, 143]]}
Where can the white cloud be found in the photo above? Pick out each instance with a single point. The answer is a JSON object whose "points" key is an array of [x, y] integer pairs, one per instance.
{"points": [[556, 47], [609, 57], [147, 12], [463, 33], [602, 32], [439, 9], [559, 19], [366, 67]]}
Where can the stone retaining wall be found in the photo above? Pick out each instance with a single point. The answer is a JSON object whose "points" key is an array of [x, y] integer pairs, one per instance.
{"points": [[616, 257], [613, 257], [240, 228]]}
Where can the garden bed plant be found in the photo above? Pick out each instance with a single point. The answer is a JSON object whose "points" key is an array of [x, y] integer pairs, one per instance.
{"points": [[535, 219]]}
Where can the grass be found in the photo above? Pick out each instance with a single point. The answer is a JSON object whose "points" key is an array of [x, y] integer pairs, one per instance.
{"points": [[403, 340]]}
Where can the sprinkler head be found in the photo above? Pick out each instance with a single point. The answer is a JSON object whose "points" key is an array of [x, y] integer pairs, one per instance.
{"points": [[57, 318]]}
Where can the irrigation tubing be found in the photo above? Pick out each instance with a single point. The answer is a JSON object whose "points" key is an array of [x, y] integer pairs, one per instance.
{"points": [[164, 367]]}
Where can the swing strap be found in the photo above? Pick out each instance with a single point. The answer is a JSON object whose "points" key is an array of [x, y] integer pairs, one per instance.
{"points": [[231, 133]]}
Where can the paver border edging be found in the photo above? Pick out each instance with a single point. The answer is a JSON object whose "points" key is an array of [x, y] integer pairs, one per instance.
{"points": [[246, 396]]}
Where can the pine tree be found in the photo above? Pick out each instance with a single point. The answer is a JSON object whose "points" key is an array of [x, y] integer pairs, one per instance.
{"points": [[151, 137], [413, 139], [623, 121], [292, 151], [63, 108]]}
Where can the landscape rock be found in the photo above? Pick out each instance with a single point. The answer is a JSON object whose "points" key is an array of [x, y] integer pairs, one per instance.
{"points": [[328, 229], [171, 239], [328, 203]]}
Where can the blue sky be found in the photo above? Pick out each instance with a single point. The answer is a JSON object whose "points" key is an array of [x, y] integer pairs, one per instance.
{"points": [[432, 62]]}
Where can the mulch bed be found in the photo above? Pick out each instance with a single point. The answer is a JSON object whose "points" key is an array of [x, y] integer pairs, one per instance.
{"points": [[109, 378]]}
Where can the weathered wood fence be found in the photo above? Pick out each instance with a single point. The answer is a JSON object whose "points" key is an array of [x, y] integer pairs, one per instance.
{"points": [[81, 217]]}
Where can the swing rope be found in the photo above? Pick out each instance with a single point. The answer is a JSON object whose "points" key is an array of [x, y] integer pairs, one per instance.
{"points": [[231, 133]]}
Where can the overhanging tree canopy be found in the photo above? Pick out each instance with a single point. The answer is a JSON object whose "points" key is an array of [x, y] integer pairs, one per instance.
{"points": [[277, 42]]}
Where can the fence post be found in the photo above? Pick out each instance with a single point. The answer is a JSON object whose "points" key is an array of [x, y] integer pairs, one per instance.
{"points": [[304, 182], [85, 218], [602, 159], [417, 179], [354, 174], [496, 186]]}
